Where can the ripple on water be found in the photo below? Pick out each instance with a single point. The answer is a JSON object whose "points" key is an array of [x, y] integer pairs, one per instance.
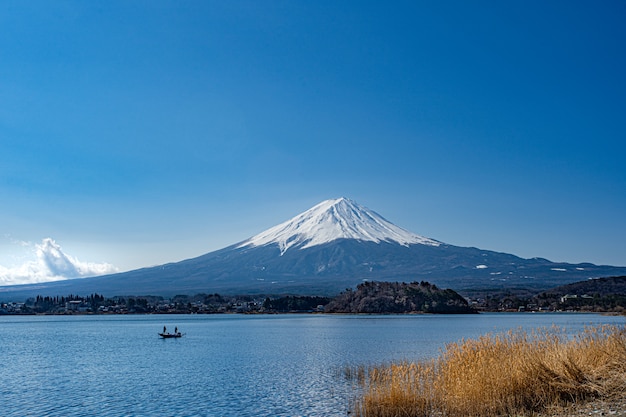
{"points": [[224, 366]]}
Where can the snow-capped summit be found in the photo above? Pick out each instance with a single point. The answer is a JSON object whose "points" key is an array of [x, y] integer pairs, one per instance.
{"points": [[335, 219]]}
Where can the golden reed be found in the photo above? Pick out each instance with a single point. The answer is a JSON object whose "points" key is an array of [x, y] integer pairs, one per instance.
{"points": [[512, 374]]}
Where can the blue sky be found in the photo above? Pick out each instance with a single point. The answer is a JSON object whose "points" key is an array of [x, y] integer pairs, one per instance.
{"points": [[135, 133]]}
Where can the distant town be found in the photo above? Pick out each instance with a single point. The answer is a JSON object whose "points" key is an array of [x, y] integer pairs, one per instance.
{"points": [[601, 295], [181, 304]]}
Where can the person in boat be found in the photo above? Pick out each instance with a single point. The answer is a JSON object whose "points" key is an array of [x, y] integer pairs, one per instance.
{"points": [[164, 329], [176, 330]]}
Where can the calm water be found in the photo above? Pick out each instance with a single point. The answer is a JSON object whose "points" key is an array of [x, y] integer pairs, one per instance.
{"points": [[225, 365]]}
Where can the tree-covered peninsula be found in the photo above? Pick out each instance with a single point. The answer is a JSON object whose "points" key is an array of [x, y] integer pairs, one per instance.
{"points": [[398, 297]]}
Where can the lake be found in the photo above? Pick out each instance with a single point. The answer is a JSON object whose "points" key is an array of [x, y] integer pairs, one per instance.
{"points": [[225, 365]]}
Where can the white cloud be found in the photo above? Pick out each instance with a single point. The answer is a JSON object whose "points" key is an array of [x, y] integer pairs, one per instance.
{"points": [[51, 264]]}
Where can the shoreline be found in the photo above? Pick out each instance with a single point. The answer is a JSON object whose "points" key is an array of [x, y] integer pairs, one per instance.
{"points": [[269, 313], [597, 407]]}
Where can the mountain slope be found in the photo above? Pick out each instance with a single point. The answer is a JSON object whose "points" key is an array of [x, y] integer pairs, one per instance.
{"points": [[333, 246]]}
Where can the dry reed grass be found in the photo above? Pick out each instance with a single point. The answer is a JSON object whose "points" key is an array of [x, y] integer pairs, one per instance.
{"points": [[513, 374]]}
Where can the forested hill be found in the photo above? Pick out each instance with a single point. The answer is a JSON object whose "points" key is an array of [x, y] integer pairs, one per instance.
{"points": [[394, 297], [598, 286], [601, 294]]}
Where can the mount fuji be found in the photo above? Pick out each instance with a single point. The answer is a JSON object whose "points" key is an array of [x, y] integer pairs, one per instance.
{"points": [[335, 245]]}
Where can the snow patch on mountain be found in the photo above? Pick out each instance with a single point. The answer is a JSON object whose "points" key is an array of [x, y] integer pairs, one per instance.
{"points": [[335, 219]]}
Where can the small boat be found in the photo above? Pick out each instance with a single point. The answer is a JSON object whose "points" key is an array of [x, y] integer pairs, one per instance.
{"points": [[170, 335]]}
